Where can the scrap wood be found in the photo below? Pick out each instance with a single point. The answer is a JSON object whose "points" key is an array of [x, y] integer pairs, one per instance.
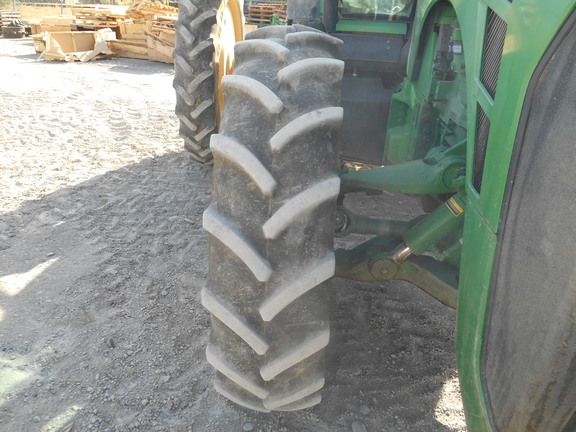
{"points": [[159, 49], [72, 46], [130, 49], [130, 30], [99, 11], [146, 8], [145, 29], [39, 43], [55, 23], [167, 34], [35, 28]]}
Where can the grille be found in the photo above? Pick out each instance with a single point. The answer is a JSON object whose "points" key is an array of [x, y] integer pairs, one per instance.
{"points": [[493, 46], [482, 132]]}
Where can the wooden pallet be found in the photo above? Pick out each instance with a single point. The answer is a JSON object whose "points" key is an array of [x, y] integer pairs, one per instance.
{"points": [[7, 16], [260, 13]]}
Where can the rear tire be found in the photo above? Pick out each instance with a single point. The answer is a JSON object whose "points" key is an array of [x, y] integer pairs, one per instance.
{"points": [[197, 74], [274, 189]]}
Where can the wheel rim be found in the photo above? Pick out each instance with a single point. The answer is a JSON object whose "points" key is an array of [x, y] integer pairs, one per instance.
{"points": [[229, 30]]}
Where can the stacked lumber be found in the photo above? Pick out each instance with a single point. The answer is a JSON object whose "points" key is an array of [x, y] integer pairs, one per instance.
{"points": [[7, 16], [261, 13], [160, 41], [149, 10], [147, 32], [145, 41], [144, 30], [129, 49], [96, 17]]}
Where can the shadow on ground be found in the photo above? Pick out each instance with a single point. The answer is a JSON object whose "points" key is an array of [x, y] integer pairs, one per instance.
{"points": [[101, 325]]}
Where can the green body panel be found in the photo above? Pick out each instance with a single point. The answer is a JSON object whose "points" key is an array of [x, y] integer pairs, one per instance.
{"points": [[531, 27], [380, 27], [473, 295]]}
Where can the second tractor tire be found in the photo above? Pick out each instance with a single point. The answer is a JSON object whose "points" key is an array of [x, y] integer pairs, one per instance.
{"points": [[271, 222]]}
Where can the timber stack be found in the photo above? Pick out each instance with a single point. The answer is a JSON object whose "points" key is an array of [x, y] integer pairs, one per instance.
{"points": [[147, 32], [144, 30]]}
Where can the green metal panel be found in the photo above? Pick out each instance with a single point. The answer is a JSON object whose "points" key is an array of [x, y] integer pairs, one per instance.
{"points": [[530, 28], [477, 256], [380, 27]]}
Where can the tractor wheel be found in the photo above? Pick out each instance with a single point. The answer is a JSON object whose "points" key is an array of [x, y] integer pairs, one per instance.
{"points": [[271, 222], [529, 348], [206, 32]]}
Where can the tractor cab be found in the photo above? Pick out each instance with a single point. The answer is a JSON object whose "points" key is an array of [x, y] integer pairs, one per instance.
{"points": [[376, 36]]}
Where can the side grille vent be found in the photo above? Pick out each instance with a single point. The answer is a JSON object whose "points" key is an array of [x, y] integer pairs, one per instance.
{"points": [[482, 132], [493, 47]]}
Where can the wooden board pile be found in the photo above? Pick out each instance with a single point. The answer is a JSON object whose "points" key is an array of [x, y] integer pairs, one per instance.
{"points": [[75, 45], [53, 24], [144, 30], [147, 32], [261, 13], [7, 16], [96, 17]]}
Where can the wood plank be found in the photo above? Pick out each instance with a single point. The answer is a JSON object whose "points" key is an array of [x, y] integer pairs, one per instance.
{"points": [[129, 49], [158, 49]]}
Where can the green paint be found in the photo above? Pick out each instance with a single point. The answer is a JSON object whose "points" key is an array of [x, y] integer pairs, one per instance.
{"points": [[446, 219], [441, 171], [380, 27]]}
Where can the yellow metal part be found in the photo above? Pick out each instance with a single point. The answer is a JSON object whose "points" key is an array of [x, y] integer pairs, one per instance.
{"points": [[229, 30]]}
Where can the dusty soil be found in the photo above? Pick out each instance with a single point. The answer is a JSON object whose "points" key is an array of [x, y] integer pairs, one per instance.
{"points": [[102, 257]]}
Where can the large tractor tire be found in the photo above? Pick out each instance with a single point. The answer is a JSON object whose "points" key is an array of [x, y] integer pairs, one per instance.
{"points": [[271, 222], [206, 33], [529, 349]]}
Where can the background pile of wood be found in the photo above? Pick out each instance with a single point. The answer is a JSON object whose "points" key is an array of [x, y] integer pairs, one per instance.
{"points": [[144, 30], [97, 17], [147, 32]]}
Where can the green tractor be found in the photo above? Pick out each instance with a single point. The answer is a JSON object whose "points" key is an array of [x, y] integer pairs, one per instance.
{"points": [[468, 105]]}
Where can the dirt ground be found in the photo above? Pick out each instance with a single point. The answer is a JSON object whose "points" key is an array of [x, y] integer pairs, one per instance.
{"points": [[102, 257]]}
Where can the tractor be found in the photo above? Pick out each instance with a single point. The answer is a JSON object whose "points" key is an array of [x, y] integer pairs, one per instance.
{"points": [[466, 105]]}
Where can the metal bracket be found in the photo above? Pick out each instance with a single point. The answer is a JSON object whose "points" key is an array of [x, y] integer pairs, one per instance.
{"points": [[441, 171], [398, 254], [368, 263]]}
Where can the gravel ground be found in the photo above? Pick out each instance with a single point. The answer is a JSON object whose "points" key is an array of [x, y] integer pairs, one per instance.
{"points": [[102, 257]]}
